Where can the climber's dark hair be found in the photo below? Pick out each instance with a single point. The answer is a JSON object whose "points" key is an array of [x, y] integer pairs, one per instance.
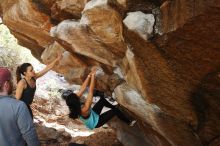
{"points": [[21, 69], [73, 103]]}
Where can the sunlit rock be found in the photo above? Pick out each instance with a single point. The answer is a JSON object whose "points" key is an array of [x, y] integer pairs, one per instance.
{"points": [[81, 40], [169, 82], [28, 24], [140, 23], [150, 114], [67, 9], [110, 32], [52, 137], [76, 67], [123, 3]]}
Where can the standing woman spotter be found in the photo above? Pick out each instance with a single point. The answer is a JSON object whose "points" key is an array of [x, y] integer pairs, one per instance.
{"points": [[26, 81]]}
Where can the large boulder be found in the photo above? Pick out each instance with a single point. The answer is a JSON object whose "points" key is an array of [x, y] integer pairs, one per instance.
{"points": [[165, 71]]}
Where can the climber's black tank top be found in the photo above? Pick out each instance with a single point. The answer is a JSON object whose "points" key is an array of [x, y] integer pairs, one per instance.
{"points": [[28, 94]]}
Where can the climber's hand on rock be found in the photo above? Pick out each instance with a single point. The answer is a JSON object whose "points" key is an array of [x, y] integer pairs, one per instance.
{"points": [[59, 56], [93, 69]]}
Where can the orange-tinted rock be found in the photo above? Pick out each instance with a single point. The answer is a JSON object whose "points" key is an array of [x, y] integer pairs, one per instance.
{"points": [[176, 13], [23, 19], [168, 128], [110, 32], [67, 9], [169, 74], [174, 75], [70, 65], [80, 39]]}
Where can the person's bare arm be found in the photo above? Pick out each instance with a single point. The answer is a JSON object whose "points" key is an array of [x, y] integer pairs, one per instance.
{"points": [[86, 82], [48, 67], [84, 85], [19, 89], [85, 109]]}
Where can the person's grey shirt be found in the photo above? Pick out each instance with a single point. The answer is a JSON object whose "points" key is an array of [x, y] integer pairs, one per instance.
{"points": [[16, 124]]}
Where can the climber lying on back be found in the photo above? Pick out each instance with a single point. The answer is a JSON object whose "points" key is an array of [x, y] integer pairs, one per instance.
{"points": [[92, 117]]}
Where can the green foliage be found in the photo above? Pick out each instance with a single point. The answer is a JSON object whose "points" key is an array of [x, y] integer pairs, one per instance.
{"points": [[11, 54]]}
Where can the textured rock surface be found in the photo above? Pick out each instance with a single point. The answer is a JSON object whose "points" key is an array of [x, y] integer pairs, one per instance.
{"points": [[60, 135], [140, 23], [176, 13], [171, 81]]}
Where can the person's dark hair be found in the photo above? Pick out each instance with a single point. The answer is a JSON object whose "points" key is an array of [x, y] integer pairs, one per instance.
{"points": [[21, 69], [73, 103]]}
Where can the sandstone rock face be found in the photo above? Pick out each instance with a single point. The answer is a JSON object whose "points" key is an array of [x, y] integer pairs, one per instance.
{"points": [[67, 9], [76, 69], [168, 81], [107, 26], [24, 17], [65, 30], [176, 13]]}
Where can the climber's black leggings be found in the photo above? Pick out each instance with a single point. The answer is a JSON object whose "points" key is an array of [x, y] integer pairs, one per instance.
{"points": [[105, 117]]}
